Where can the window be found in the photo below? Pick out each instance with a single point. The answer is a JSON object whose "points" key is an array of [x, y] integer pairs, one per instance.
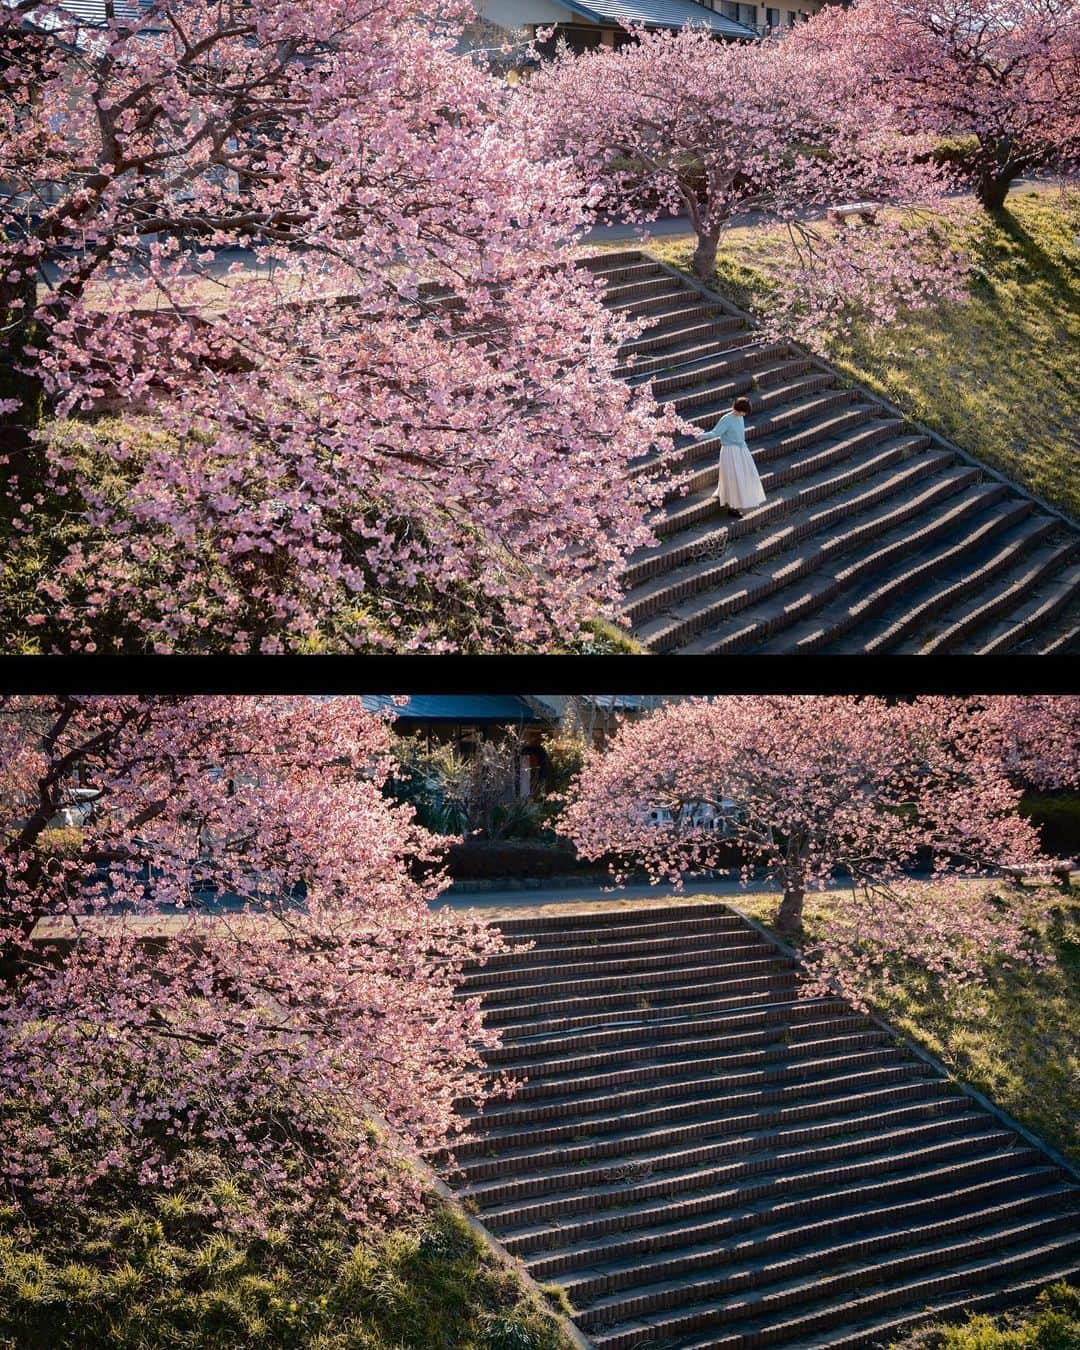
{"points": [[772, 18], [791, 17]]}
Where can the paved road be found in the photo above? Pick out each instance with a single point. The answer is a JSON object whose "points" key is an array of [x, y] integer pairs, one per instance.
{"points": [[586, 893], [618, 230]]}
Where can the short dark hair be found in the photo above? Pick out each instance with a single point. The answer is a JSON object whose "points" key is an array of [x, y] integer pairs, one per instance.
{"points": [[742, 405]]}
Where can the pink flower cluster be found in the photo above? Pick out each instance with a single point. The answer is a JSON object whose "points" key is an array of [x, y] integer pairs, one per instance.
{"points": [[815, 788], [237, 951], [306, 243], [779, 130]]}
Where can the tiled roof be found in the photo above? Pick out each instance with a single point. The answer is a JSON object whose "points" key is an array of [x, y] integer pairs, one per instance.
{"points": [[659, 14]]}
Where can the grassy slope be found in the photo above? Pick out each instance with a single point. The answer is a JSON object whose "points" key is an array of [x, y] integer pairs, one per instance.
{"points": [[153, 1276], [999, 374], [1053, 1323], [1017, 1040]]}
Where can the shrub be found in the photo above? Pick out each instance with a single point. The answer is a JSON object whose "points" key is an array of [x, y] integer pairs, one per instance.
{"points": [[476, 860]]}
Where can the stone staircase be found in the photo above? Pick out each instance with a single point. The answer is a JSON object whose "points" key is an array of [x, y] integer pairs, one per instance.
{"points": [[701, 1158], [874, 538]]}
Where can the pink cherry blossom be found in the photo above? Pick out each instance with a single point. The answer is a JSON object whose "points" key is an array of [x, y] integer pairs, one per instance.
{"points": [[812, 788], [398, 393], [237, 947], [1004, 73], [783, 128]]}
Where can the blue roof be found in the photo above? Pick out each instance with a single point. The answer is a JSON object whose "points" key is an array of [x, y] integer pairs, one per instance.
{"points": [[455, 707], [659, 14]]}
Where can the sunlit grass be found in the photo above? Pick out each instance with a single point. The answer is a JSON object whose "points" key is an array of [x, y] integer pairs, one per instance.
{"points": [[152, 1276], [1017, 1039], [999, 373]]}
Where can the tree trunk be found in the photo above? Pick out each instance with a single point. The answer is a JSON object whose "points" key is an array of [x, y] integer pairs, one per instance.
{"points": [[789, 916], [704, 262], [992, 188], [20, 332]]}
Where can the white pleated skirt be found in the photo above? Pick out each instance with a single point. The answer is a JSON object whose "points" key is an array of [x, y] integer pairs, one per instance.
{"points": [[739, 483]]}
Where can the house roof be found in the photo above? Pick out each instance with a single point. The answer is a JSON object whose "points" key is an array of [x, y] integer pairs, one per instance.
{"points": [[659, 14], [93, 11], [470, 708]]}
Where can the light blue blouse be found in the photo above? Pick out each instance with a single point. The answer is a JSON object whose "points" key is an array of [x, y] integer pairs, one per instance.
{"points": [[731, 429]]}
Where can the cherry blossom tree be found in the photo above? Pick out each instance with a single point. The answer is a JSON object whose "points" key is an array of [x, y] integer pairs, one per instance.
{"points": [[301, 244], [680, 122], [809, 787], [227, 947], [1038, 737], [1004, 73]]}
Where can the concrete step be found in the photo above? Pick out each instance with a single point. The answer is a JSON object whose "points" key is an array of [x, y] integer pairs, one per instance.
{"points": [[648, 1055], [601, 263], [604, 1270], [576, 1099], [621, 1026], [745, 353], [618, 273], [701, 1157], [637, 288], [656, 1231], [683, 354], [611, 1128], [505, 986], [1030, 618], [560, 1194], [968, 1265], [876, 466], [1063, 644], [756, 367], [873, 524], [525, 965], [741, 1207], [521, 1021], [723, 928], [900, 600], [666, 337], [674, 303], [1008, 590], [750, 1272], [1015, 1292], [771, 400], [605, 922]]}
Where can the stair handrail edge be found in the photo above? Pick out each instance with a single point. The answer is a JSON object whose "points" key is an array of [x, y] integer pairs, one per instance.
{"points": [[449, 1197], [1013, 1125]]}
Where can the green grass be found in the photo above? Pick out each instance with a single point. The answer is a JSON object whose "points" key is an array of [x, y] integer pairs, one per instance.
{"points": [[1053, 1323], [1017, 1039], [155, 1275], [999, 374]]}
